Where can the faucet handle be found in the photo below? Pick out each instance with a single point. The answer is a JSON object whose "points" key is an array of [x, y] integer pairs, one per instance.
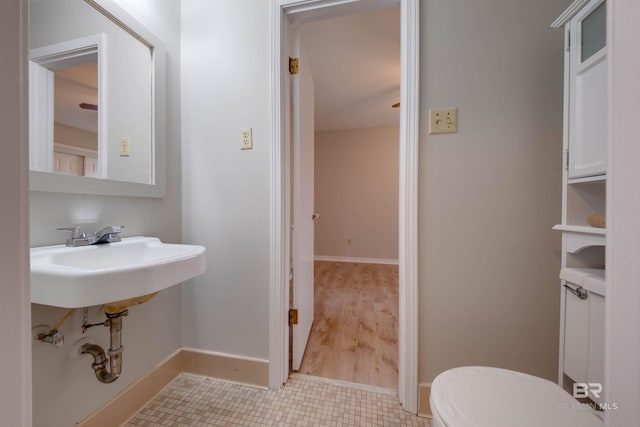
{"points": [[110, 234], [117, 228], [77, 232], [111, 229]]}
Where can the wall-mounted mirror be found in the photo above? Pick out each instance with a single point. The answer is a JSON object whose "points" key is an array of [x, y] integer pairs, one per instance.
{"points": [[96, 78]]}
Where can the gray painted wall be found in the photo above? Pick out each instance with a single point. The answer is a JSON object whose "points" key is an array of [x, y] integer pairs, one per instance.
{"points": [[226, 202], [489, 195]]}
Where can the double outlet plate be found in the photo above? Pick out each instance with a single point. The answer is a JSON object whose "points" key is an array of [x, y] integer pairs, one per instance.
{"points": [[246, 140]]}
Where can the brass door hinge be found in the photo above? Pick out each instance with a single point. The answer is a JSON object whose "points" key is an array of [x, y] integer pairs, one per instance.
{"points": [[293, 316], [293, 65]]}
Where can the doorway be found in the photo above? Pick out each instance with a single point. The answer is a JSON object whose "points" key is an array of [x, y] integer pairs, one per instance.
{"points": [[349, 68], [285, 13]]}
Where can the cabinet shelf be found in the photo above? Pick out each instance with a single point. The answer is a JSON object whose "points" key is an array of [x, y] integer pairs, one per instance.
{"points": [[597, 178], [581, 229], [579, 237]]}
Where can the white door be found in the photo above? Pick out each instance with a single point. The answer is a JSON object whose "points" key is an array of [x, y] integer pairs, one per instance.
{"points": [[302, 94], [41, 91]]}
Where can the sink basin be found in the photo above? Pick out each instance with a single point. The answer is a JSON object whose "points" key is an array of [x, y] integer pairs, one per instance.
{"points": [[99, 274]]}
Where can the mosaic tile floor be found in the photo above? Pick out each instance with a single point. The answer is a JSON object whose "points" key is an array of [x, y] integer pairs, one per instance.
{"points": [[198, 401]]}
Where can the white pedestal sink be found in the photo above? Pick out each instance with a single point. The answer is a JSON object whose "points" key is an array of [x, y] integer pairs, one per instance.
{"points": [[74, 277]]}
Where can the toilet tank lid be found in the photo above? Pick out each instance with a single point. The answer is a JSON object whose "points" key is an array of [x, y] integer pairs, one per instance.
{"points": [[477, 396]]}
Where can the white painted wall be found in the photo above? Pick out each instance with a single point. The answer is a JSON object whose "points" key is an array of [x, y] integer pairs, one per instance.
{"points": [[356, 193], [489, 195], [15, 369], [226, 201], [66, 390]]}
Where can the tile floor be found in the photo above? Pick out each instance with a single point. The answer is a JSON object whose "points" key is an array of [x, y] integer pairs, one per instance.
{"points": [[198, 401]]}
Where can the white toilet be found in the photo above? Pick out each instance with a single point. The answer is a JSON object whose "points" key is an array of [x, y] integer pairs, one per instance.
{"points": [[492, 397]]}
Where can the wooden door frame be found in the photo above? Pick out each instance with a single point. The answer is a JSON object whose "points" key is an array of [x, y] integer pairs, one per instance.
{"points": [[284, 12]]}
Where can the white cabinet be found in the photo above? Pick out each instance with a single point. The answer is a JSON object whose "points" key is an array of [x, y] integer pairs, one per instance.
{"points": [[582, 284], [587, 63]]}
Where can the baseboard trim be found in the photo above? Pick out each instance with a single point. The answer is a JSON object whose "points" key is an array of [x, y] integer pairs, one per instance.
{"points": [[356, 259], [129, 401], [238, 369], [247, 371], [424, 405]]}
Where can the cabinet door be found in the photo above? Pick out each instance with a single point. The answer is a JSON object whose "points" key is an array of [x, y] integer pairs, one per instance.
{"points": [[576, 336], [584, 339], [588, 92]]}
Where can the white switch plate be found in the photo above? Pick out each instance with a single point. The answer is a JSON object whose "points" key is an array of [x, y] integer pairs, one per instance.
{"points": [[246, 140], [443, 120], [124, 146]]}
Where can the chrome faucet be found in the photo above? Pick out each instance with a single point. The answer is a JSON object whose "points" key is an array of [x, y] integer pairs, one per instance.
{"points": [[79, 236]]}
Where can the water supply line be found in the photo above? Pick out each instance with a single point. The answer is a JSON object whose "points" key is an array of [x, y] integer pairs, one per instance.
{"points": [[100, 360], [54, 336]]}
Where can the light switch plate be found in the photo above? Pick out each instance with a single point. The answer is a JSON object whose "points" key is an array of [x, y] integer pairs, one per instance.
{"points": [[443, 120], [246, 140]]}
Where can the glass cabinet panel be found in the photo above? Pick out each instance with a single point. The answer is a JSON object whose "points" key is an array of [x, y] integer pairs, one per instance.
{"points": [[594, 32]]}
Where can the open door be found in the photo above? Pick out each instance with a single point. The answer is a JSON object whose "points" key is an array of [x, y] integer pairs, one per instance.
{"points": [[41, 108], [302, 99]]}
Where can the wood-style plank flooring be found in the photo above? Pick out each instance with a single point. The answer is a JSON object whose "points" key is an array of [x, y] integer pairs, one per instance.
{"points": [[354, 336]]}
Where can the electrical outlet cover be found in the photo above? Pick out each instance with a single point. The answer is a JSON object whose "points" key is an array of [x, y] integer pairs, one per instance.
{"points": [[246, 140]]}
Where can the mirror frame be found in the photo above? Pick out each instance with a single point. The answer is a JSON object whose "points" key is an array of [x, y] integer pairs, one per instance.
{"points": [[59, 183]]}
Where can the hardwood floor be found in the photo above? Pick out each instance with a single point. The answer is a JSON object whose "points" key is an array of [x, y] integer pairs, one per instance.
{"points": [[354, 336]]}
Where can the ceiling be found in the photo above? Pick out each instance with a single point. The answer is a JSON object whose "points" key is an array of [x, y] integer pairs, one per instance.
{"points": [[75, 85], [355, 63]]}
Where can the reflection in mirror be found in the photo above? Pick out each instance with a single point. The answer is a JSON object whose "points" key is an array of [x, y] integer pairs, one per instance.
{"points": [[64, 80], [91, 93], [75, 119]]}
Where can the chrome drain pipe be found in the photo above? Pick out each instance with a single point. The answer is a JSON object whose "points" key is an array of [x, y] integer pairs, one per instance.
{"points": [[100, 360]]}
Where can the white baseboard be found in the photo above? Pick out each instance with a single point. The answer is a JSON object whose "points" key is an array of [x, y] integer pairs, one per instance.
{"points": [[356, 259]]}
